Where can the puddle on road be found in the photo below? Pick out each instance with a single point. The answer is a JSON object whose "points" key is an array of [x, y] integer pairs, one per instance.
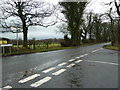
{"points": [[76, 75], [16, 76], [25, 73], [46, 65], [75, 82]]}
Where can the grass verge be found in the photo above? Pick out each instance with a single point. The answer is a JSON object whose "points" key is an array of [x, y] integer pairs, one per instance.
{"points": [[111, 47], [34, 51]]}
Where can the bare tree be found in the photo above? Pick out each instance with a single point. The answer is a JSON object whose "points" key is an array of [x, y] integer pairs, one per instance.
{"points": [[117, 5], [62, 28], [29, 13], [87, 25]]}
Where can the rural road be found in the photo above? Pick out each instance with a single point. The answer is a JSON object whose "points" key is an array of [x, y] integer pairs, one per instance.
{"points": [[80, 67]]}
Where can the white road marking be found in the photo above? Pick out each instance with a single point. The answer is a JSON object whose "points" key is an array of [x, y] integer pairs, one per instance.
{"points": [[40, 82], [78, 61], [48, 70], [82, 56], [94, 51], [71, 60], [77, 57], [64, 63], [6, 87], [59, 72], [85, 54], [102, 62], [71, 65], [29, 78]]}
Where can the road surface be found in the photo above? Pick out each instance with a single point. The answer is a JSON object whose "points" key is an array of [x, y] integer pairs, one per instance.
{"points": [[80, 67]]}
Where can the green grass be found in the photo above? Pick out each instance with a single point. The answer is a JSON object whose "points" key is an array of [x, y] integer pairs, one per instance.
{"points": [[35, 51], [41, 45], [111, 47]]}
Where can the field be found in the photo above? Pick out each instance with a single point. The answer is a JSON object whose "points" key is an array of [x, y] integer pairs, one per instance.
{"points": [[40, 46]]}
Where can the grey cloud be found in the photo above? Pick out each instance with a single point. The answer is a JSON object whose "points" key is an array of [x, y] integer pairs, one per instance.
{"points": [[38, 33]]}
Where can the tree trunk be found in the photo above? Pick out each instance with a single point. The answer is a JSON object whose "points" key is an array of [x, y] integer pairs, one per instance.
{"points": [[90, 37], [25, 31], [119, 31], [25, 39], [112, 34], [91, 27], [34, 44], [73, 38], [85, 36], [47, 45]]}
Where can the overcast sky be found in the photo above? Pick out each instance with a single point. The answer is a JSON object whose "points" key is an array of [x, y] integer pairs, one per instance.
{"points": [[97, 6]]}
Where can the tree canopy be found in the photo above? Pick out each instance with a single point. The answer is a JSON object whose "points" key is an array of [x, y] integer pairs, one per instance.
{"points": [[73, 12], [28, 13]]}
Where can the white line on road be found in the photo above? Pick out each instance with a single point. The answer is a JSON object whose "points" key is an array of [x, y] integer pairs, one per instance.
{"points": [[71, 65], [85, 54], [77, 57], [82, 56], [101, 62], [78, 61], [48, 70], [94, 51], [6, 87], [59, 72], [40, 82], [64, 63], [29, 78], [71, 60]]}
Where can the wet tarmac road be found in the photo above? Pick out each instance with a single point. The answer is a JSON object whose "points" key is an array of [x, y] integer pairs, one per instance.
{"points": [[80, 67]]}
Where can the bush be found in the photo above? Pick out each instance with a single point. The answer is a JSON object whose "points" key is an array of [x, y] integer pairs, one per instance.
{"points": [[66, 43], [85, 41]]}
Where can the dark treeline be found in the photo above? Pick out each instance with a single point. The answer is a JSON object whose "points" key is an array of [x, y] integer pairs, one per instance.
{"points": [[87, 27]]}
